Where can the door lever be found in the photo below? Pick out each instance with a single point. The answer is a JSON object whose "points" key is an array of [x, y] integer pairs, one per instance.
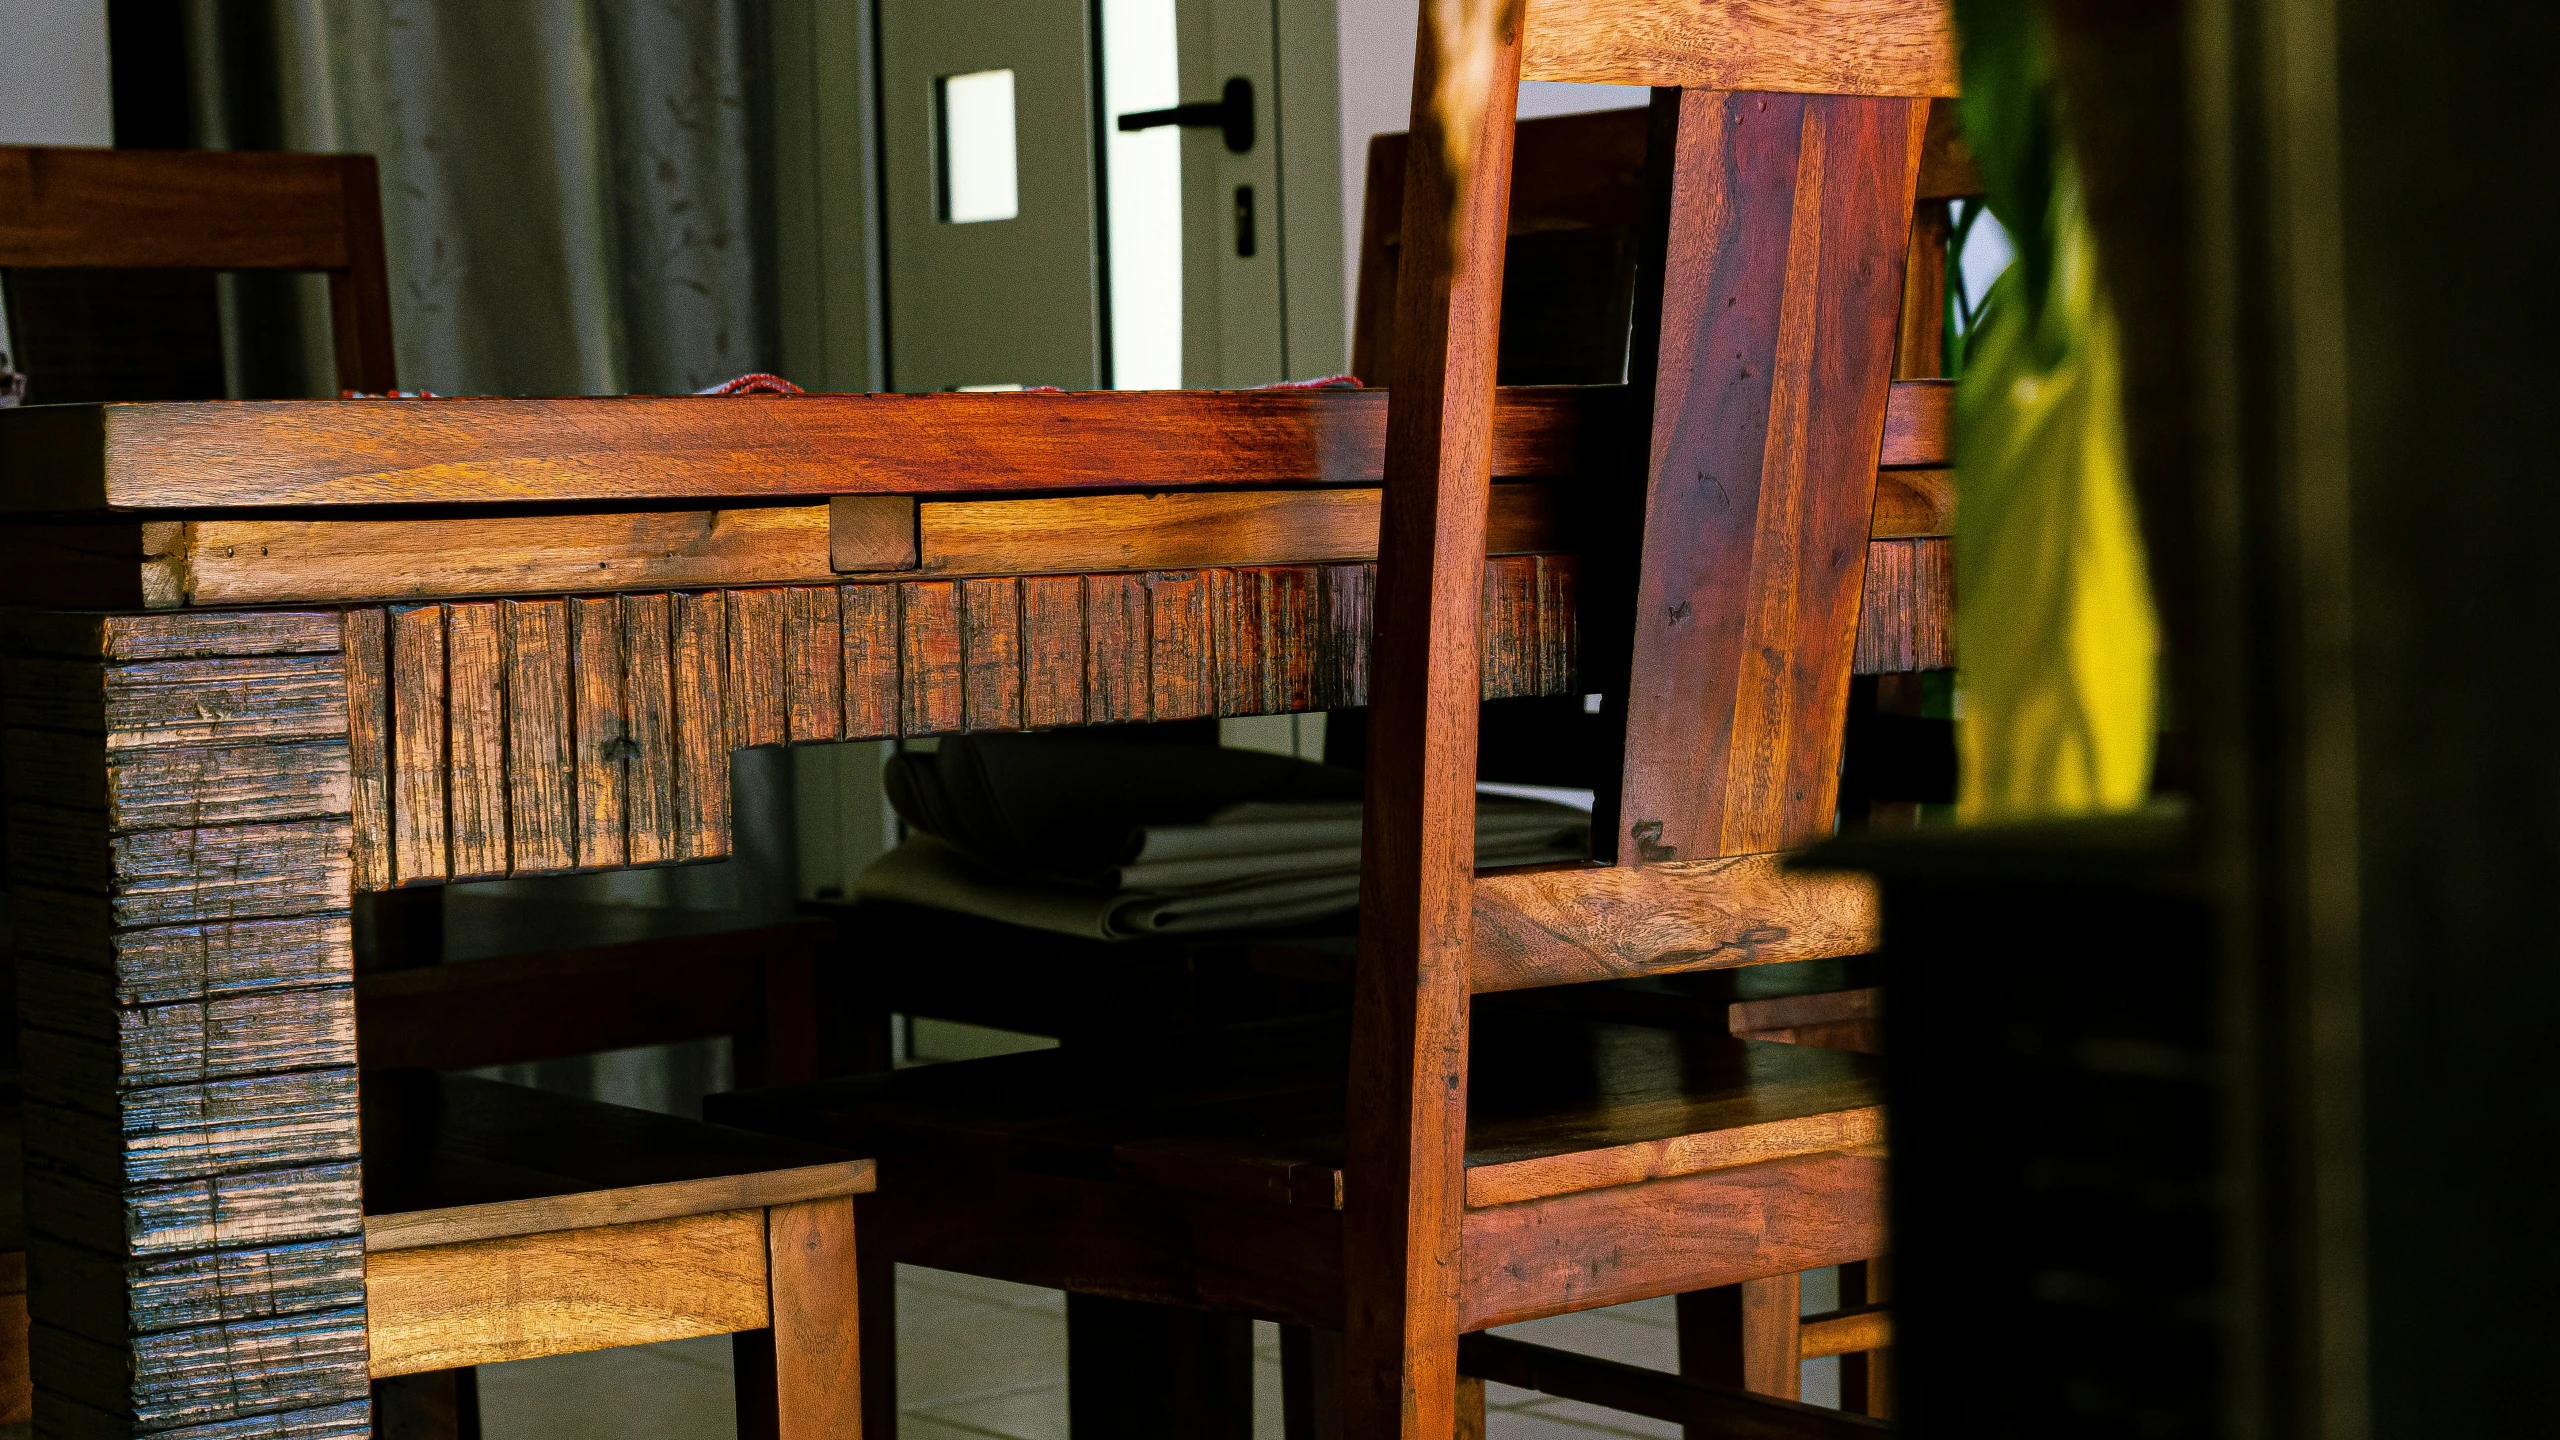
{"points": [[1231, 112]]}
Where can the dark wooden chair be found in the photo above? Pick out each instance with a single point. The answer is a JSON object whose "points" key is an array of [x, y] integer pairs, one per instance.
{"points": [[506, 1223], [1369, 1180], [74, 224], [108, 258]]}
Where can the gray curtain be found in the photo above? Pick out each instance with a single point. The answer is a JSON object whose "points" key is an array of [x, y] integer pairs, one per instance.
{"points": [[576, 199], [575, 193]]}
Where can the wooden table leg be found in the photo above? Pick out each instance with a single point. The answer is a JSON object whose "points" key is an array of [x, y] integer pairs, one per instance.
{"points": [[1310, 1383], [181, 871]]}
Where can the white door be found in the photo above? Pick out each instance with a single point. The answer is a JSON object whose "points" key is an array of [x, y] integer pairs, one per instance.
{"points": [[987, 141], [1201, 249]]}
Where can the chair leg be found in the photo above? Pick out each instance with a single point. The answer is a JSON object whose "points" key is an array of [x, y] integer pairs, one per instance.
{"points": [[1470, 1424], [1771, 1309], [1744, 1335], [1310, 1383], [1138, 1371], [1866, 1377], [876, 1279], [433, 1405], [802, 1378]]}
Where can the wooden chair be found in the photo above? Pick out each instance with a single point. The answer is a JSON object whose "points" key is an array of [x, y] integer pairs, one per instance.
{"points": [[84, 336], [504, 1223], [1430, 1196]]}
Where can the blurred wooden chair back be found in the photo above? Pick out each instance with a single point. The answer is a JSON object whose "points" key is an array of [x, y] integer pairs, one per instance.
{"points": [[109, 258]]}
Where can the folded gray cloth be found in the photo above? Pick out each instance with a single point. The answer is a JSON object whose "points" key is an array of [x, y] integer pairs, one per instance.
{"points": [[1032, 807], [1259, 891], [1113, 840]]}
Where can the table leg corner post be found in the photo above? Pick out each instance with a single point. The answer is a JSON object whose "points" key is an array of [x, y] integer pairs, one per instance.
{"points": [[182, 870]]}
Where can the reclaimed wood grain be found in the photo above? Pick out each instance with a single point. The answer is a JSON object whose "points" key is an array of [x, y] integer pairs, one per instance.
{"points": [[1119, 681], [346, 1420], [729, 448], [872, 674], [475, 741], [121, 1297], [525, 1296], [214, 1373], [1178, 641], [542, 790], [1914, 503], [187, 1041], [217, 1212], [700, 645], [1920, 425], [1556, 634], [1053, 650], [929, 657], [757, 684], [1761, 481], [600, 734], [417, 745], [1348, 594], [170, 637], [151, 966], [263, 562], [1183, 530], [1718, 1227], [1508, 623], [991, 654], [365, 638], [813, 680], [168, 788], [172, 877], [1907, 614], [871, 532], [180, 456], [1820, 47], [649, 754], [232, 700], [184, 1132], [1566, 926]]}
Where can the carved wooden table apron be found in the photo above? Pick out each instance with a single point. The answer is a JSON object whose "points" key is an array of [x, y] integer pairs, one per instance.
{"points": [[270, 655]]}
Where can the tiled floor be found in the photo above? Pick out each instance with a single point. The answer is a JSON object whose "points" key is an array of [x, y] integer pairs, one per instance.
{"points": [[982, 1359]]}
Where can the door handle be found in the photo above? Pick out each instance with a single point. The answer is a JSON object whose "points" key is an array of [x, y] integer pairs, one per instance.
{"points": [[1231, 112]]}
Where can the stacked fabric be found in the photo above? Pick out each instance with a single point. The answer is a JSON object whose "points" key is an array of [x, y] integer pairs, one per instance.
{"points": [[1116, 840]]}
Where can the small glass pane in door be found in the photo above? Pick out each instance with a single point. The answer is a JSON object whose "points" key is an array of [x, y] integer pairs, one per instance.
{"points": [[976, 114]]}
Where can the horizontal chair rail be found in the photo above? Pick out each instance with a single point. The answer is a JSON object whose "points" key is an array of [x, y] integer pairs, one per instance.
{"points": [[1567, 925], [1819, 47], [238, 456], [1726, 1413]]}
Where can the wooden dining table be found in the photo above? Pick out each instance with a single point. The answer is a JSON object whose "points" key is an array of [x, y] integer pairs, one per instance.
{"points": [[263, 657]]}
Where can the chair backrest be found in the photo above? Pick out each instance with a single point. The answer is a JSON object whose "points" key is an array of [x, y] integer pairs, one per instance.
{"points": [[1568, 272], [86, 212], [1783, 153]]}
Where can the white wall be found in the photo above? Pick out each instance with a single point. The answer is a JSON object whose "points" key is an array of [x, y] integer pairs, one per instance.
{"points": [[53, 73], [1377, 99]]}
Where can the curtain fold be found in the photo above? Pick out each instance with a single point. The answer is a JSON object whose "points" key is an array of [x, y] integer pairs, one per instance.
{"points": [[575, 197]]}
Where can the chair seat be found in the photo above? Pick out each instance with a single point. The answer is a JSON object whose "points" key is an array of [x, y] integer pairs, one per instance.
{"points": [[1559, 1104], [452, 1158], [1206, 1168]]}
